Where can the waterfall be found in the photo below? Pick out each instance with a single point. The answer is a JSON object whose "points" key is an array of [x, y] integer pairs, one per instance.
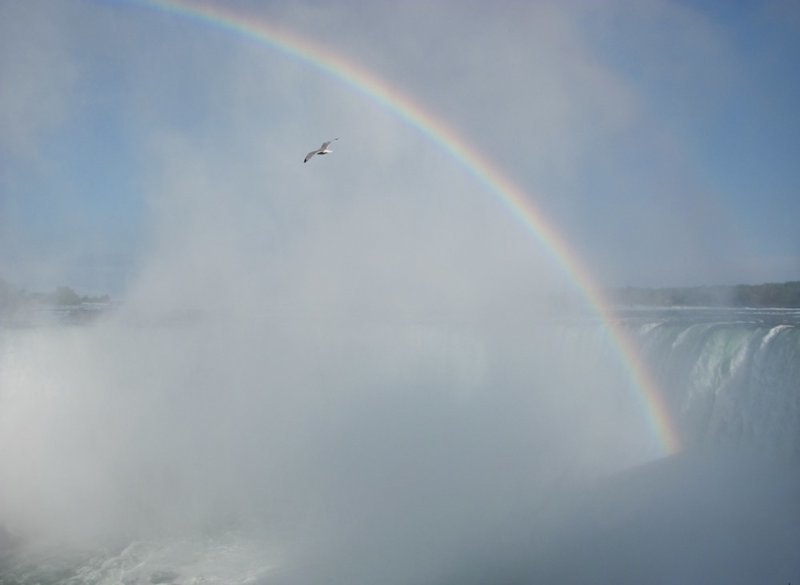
{"points": [[731, 380]]}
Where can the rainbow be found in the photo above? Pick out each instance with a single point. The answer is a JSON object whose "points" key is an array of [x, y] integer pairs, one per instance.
{"points": [[474, 162]]}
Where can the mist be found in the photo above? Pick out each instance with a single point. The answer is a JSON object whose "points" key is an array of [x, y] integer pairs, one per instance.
{"points": [[373, 390], [341, 368], [364, 367]]}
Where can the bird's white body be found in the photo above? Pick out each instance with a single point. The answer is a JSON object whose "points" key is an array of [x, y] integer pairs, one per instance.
{"points": [[321, 150]]}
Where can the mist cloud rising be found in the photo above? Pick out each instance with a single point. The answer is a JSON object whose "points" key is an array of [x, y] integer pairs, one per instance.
{"points": [[358, 380], [339, 365]]}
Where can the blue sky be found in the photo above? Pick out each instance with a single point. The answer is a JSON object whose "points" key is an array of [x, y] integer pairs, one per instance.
{"points": [[660, 137]]}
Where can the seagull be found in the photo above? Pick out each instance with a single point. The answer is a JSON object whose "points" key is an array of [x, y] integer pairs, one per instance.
{"points": [[321, 150]]}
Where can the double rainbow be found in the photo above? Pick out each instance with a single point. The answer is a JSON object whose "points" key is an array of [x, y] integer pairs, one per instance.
{"points": [[474, 162]]}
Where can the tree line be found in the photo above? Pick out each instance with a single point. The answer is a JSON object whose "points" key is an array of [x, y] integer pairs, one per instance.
{"points": [[14, 299], [773, 294]]}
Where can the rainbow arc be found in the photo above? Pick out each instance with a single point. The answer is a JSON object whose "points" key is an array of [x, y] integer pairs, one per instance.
{"points": [[482, 169]]}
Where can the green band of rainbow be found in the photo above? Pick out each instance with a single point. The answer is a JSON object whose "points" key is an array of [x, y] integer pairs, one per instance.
{"points": [[473, 161]]}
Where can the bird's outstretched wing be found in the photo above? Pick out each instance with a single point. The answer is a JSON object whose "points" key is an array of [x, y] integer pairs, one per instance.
{"points": [[321, 150]]}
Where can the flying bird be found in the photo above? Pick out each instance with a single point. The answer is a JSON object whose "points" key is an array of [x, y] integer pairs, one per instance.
{"points": [[321, 150]]}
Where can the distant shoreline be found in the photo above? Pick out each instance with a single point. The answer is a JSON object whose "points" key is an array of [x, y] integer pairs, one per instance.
{"points": [[15, 301], [17, 304], [768, 295]]}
